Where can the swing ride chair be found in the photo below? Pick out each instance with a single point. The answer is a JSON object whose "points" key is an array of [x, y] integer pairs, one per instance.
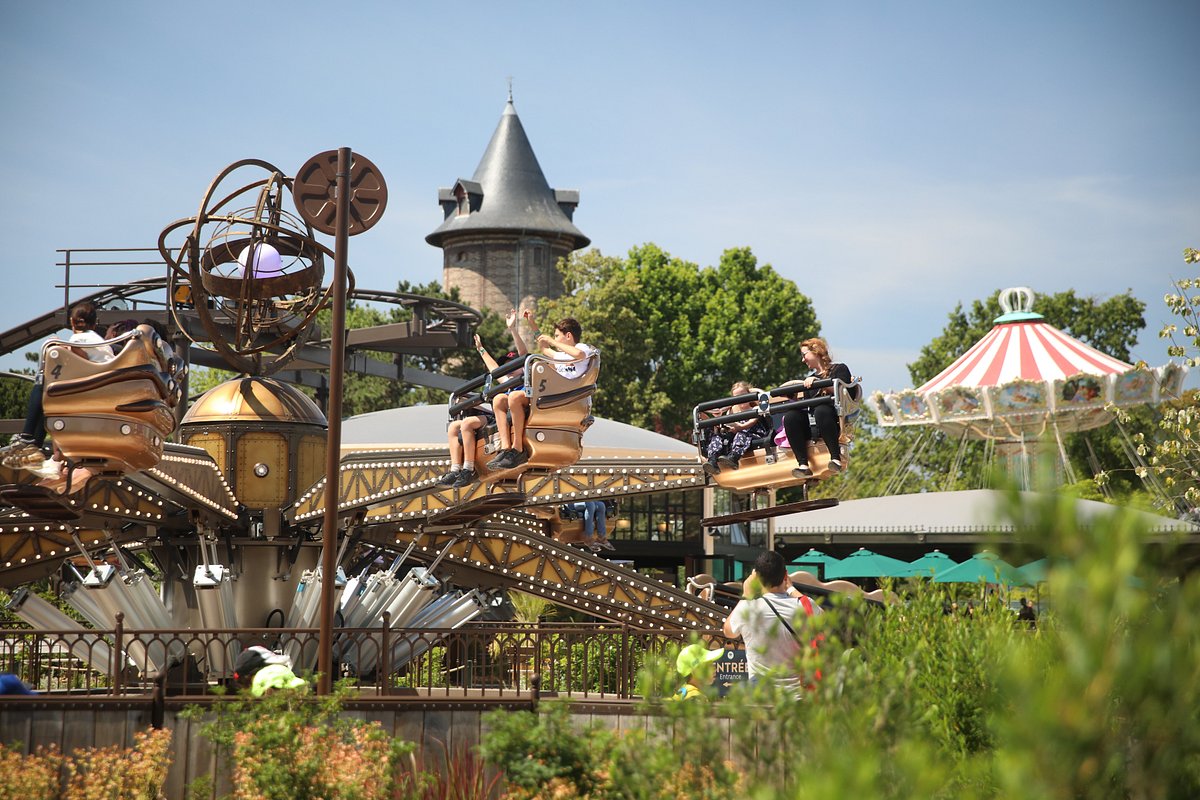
{"points": [[559, 412], [112, 417], [767, 465]]}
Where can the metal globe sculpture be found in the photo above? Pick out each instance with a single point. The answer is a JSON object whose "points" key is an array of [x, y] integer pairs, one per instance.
{"points": [[250, 268]]}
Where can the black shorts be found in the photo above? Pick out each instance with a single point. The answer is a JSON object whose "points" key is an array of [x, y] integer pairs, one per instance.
{"points": [[487, 417]]}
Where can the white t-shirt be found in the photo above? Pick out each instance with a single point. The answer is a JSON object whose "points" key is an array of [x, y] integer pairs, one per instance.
{"points": [[575, 368], [770, 647], [97, 354]]}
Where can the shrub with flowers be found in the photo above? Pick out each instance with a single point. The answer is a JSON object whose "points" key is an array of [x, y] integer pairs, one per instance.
{"points": [[93, 773], [290, 746], [271, 762], [30, 777]]}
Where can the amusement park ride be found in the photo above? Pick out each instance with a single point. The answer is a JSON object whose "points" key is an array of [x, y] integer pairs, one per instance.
{"points": [[221, 502]]}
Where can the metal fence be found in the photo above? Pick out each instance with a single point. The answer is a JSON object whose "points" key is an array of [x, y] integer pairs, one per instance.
{"points": [[503, 661]]}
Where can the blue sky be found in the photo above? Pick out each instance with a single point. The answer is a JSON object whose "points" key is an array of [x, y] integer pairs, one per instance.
{"points": [[891, 158]]}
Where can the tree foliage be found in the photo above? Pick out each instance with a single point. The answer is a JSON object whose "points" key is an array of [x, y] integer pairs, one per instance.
{"points": [[674, 334], [1171, 453], [14, 396]]}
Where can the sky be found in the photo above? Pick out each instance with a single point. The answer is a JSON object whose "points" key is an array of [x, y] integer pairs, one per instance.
{"points": [[893, 159]]}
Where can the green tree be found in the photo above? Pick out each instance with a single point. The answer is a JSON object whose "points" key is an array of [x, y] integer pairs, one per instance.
{"points": [[1171, 451], [14, 396], [673, 334]]}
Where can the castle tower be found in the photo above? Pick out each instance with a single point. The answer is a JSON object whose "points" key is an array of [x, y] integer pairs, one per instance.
{"points": [[505, 228]]}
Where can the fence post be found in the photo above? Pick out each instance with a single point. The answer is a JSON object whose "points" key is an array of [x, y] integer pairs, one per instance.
{"points": [[385, 656], [67, 286], [535, 681], [118, 649], [625, 677]]}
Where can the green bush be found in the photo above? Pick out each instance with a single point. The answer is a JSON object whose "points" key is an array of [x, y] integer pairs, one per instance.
{"points": [[1102, 703], [538, 750], [290, 746], [594, 664], [1099, 701]]}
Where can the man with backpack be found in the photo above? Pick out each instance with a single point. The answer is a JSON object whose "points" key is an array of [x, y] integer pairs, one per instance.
{"points": [[769, 619]]}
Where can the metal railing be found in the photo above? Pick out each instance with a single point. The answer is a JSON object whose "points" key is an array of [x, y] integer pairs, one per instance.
{"points": [[498, 661]]}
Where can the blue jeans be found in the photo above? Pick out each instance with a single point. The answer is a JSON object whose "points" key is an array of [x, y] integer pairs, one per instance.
{"points": [[595, 517], [35, 417]]}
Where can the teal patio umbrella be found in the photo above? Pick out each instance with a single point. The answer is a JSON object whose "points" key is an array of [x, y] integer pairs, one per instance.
{"points": [[864, 563], [984, 566], [1035, 571], [813, 557], [928, 565]]}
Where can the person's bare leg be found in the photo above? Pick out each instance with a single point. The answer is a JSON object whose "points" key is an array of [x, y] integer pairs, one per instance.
{"points": [[469, 427], [519, 404], [456, 447], [501, 406], [456, 454]]}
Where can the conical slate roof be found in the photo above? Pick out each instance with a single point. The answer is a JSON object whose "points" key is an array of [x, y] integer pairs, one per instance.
{"points": [[508, 192]]}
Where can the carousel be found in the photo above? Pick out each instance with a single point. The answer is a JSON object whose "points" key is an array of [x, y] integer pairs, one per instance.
{"points": [[1021, 387]]}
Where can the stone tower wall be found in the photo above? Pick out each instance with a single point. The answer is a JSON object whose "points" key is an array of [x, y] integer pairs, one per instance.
{"points": [[487, 268]]}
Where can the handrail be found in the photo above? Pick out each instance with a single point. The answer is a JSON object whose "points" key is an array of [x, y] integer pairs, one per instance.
{"points": [[457, 406], [767, 410], [54, 660]]}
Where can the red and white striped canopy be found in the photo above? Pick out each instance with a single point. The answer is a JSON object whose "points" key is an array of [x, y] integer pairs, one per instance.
{"points": [[1029, 349]]}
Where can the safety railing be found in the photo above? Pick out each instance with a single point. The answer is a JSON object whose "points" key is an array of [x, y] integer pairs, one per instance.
{"points": [[501, 661]]}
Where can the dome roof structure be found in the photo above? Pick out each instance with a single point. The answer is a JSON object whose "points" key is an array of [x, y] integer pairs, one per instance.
{"points": [[425, 426], [250, 399], [1024, 379]]}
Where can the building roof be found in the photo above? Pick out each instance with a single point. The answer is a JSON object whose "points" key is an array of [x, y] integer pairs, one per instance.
{"points": [[251, 399], [971, 511], [425, 426], [515, 194]]}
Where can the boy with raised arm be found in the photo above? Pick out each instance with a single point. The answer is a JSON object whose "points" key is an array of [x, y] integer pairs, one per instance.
{"points": [[461, 433], [565, 348]]}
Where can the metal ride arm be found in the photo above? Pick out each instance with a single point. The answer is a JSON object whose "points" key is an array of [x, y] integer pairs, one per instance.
{"points": [[841, 393], [727, 594], [499, 381]]}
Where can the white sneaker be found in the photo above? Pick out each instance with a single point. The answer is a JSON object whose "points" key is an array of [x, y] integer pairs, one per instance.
{"points": [[835, 466]]}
